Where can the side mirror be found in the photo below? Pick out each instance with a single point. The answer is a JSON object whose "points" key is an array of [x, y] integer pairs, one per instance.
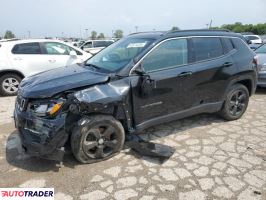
{"points": [[249, 41], [139, 70], [73, 53]]}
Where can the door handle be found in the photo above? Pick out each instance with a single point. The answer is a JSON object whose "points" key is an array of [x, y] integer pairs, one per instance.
{"points": [[183, 74], [17, 58], [227, 64], [52, 61]]}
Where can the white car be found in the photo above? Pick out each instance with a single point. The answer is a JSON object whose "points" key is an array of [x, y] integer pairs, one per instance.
{"points": [[94, 46], [22, 58], [254, 39]]}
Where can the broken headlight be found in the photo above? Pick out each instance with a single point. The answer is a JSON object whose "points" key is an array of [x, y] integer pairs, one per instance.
{"points": [[44, 109]]}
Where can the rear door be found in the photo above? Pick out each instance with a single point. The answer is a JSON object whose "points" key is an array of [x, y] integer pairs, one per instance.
{"points": [[212, 66], [28, 58]]}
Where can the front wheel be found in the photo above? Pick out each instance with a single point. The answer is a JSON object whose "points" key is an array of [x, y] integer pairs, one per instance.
{"points": [[97, 138], [236, 102]]}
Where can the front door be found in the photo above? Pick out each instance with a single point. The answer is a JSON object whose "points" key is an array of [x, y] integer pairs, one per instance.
{"points": [[167, 68]]}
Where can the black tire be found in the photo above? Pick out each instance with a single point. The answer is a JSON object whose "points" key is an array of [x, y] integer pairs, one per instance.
{"points": [[9, 84], [97, 138], [236, 102]]}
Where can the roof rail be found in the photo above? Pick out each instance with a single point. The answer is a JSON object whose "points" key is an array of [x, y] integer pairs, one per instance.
{"points": [[148, 32], [198, 30]]}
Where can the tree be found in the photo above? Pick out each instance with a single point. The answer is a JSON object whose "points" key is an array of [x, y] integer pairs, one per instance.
{"points": [[118, 33], [259, 29], [175, 28], [101, 36], [93, 35], [9, 35]]}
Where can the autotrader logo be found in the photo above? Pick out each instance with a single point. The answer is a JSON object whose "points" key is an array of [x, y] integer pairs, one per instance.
{"points": [[27, 193]]}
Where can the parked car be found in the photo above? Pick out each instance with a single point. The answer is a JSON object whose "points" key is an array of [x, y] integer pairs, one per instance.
{"points": [[254, 39], [78, 43], [140, 81], [254, 46], [22, 58], [94, 46], [261, 57]]}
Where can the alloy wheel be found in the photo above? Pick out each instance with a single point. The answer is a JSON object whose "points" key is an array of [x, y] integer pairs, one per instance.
{"points": [[10, 85], [238, 102], [100, 141]]}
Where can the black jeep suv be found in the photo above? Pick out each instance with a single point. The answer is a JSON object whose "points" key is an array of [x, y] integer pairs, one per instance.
{"points": [[140, 81]]}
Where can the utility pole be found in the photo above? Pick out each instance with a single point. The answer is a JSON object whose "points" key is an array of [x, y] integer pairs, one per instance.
{"points": [[29, 34], [210, 24], [136, 27], [86, 33]]}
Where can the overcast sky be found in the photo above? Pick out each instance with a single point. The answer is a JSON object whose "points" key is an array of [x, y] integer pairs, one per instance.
{"points": [[72, 17]]}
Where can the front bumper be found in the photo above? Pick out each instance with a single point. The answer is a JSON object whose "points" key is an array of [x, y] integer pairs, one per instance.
{"points": [[41, 137], [262, 79]]}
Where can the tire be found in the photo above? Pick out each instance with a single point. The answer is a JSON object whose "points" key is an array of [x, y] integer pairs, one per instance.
{"points": [[236, 102], [97, 138], [9, 84]]}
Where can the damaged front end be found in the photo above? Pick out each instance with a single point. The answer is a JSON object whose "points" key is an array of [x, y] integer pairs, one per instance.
{"points": [[46, 124], [41, 124]]}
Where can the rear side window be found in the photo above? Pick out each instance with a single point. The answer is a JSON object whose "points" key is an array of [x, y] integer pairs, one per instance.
{"points": [[206, 48], [27, 48]]}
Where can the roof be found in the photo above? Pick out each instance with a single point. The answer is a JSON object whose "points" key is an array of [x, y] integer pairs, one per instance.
{"points": [[185, 33]]}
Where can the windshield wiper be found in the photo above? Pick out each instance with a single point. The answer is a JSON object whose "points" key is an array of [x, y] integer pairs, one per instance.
{"points": [[92, 65]]}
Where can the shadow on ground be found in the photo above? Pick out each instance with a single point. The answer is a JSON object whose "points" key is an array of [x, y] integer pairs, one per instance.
{"points": [[16, 156]]}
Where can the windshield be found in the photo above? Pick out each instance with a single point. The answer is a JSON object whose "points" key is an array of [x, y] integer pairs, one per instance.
{"points": [[261, 49], [119, 54]]}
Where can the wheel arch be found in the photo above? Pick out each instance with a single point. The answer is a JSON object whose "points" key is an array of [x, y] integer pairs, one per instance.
{"points": [[11, 71], [247, 81]]}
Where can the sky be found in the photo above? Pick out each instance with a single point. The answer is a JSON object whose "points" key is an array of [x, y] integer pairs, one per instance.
{"points": [[71, 18]]}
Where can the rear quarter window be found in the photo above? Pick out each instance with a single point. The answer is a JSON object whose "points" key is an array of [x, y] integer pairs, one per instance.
{"points": [[27, 48], [228, 45], [206, 48]]}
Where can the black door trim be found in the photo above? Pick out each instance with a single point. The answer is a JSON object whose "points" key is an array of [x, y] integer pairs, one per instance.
{"points": [[204, 108]]}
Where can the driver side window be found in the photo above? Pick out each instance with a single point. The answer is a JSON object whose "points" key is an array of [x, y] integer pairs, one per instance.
{"points": [[171, 53]]}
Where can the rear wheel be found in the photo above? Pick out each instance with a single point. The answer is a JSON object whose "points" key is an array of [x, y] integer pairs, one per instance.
{"points": [[236, 102], [97, 138], [9, 84]]}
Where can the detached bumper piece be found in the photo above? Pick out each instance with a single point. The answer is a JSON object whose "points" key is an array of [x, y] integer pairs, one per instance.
{"points": [[43, 138], [150, 149]]}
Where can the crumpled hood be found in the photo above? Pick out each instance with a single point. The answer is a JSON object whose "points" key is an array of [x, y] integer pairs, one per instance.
{"points": [[49, 83]]}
